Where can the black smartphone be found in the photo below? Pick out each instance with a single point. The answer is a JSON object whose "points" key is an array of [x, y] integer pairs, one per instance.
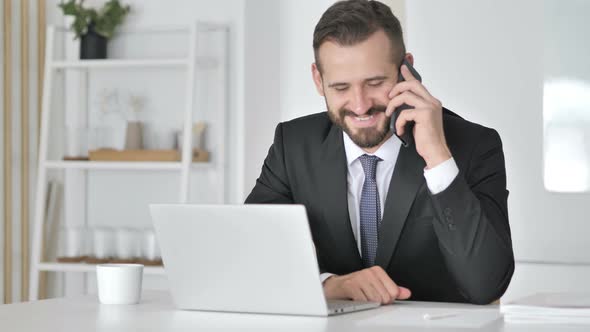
{"points": [[407, 137]]}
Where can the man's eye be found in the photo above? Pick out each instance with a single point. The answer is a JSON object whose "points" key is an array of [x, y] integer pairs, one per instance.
{"points": [[374, 84], [340, 88]]}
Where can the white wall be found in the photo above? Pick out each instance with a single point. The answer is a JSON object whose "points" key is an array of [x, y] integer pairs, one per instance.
{"points": [[298, 94], [484, 60], [278, 84], [262, 88], [566, 98]]}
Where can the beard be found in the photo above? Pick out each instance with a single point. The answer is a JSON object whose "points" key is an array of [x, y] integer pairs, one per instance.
{"points": [[363, 137]]}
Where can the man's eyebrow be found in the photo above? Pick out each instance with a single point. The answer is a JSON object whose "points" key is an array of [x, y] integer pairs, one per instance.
{"points": [[376, 78], [336, 84]]}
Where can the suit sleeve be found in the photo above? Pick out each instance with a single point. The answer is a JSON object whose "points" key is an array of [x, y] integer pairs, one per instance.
{"points": [[472, 224], [272, 187]]}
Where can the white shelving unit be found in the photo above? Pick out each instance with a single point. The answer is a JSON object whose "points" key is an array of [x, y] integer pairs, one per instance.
{"points": [[184, 167], [139, 63], [90, 64], [82, 267], [113, 165]]}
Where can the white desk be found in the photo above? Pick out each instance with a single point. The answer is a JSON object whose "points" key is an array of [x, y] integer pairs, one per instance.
{"points": [[157, 313]]}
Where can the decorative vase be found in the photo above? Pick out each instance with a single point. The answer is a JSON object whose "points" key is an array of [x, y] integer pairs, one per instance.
{"points": [[133, 136], [93, 45]]}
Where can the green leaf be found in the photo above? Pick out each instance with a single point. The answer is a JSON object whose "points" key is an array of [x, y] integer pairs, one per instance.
{"points": [[104, 21], [69, 8]]}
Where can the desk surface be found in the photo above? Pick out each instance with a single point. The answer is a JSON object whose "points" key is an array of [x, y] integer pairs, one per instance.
{"points": [[156, 312]]}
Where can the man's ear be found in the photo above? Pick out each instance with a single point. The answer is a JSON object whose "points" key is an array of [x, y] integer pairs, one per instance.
{"points": [[410, 57], [317, 79]]}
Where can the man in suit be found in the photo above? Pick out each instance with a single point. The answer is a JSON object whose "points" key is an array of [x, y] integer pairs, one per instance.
{"points": [[427, 221]]}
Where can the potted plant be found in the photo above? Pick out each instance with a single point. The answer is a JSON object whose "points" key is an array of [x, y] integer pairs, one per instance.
{"points": [[94, 27]]}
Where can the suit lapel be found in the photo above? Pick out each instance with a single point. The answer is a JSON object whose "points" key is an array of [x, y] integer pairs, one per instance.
{"points": [[334, 196], [407, 178]]}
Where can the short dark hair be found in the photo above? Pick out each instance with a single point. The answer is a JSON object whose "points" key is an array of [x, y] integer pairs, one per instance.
{"points": [[350, 22]]}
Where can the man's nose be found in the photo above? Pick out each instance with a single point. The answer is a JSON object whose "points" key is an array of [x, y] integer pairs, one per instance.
{"points": [[361, 101]]}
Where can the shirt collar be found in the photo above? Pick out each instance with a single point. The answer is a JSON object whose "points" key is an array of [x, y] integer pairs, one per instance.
{"points": [[388, 151]]}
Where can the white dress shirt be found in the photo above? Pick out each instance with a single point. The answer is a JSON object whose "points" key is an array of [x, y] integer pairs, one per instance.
{"points": [[437, 179]]}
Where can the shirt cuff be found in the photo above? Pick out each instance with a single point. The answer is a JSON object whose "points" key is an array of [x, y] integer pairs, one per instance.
{"points": [[440, 177], [325, 276]]}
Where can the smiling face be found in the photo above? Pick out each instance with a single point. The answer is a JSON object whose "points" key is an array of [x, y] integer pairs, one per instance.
{"points": [[355, 82]]}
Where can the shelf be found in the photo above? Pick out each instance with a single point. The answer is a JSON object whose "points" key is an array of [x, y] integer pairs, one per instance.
{"points": [[54, 167], [83, 267], [202, 61], [113, 165], [126, 165], [120, 63]]}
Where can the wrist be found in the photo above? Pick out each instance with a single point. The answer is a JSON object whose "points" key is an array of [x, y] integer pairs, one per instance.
{"points": [[332, 287], [437, 157]]}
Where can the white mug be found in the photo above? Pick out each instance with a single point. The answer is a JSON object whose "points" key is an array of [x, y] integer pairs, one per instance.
{"points": [[119, 283]]}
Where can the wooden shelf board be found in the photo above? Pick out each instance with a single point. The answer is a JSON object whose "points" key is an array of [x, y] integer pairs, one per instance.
{"points": [[83, 267]]}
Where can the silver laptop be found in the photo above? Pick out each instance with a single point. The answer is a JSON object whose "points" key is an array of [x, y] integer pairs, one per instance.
{"points": [[243, 258]]}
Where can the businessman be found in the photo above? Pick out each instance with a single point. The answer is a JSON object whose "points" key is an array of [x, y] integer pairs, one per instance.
{"points": [[428, 221]]}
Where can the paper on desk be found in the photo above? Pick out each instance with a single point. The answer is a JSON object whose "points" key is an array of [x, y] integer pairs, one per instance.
{"points": [[475, 317], [571, 308], [540, 319], [577, 301]]}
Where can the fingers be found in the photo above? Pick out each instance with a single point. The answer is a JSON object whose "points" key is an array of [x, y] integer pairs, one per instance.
{"points": [[410, 85], [387, 288], [357, 294], [409, 98], [404, 293], [372, 284], [388, 284], [416, 87], [384, 296], [405, 117], [395, 291], [407, 74], [373, 293]]}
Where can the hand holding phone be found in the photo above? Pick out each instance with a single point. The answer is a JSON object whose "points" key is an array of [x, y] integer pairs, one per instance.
{"points": [[407, 137]]}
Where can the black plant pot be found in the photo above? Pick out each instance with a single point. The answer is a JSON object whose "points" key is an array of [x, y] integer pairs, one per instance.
{"points": [[93, 45]]}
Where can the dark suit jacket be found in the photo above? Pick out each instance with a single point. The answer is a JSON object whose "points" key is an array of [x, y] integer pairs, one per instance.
{"points": [[453, 246]]}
